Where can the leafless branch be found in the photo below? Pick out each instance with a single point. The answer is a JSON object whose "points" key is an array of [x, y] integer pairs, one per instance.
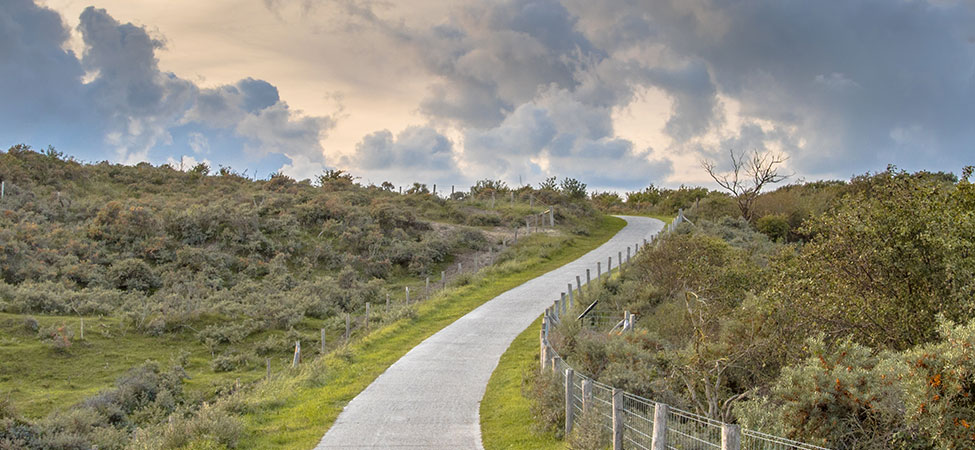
{"points": [[748, 175]]}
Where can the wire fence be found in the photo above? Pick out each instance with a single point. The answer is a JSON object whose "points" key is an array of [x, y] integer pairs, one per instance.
{"points": [[637, 422]]}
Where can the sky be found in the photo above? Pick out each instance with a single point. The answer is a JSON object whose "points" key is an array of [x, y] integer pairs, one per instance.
{"points": [[619, 94]]}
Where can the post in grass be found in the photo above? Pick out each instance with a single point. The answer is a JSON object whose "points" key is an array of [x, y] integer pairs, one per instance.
{"points": [[297, 357], [407, 295], [323, 340], [348, 326], [366, 320]]}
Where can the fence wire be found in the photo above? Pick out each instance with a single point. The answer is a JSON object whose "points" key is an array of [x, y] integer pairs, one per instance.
{"points": [[689, 431], [602, 402], [638, 421], [754, 440]]}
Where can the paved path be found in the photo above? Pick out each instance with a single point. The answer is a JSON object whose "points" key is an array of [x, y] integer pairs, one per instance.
{"points": [[429, 399]]}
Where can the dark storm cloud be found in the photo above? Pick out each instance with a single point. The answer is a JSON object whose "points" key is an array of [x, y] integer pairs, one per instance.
{"points": [[493, 57], [115, 94], [864, 83], [40, 81]]}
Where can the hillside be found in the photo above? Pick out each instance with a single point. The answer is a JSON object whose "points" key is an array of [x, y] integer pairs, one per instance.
{"points": [[212, 275], [854, 329]]}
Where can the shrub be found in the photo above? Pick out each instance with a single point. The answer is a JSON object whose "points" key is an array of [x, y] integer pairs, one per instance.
{"points": [[132, 274], [589, 432], [31, 325], [58, 337], [775, 226], [228, 362], [547, 403]]}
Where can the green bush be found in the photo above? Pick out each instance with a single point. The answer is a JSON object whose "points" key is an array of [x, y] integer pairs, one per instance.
{"points": [[775, 226], [228, 362], [547, 401]]}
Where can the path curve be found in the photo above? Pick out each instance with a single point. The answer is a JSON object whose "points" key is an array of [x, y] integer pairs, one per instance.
{"points": [[429, 399]]}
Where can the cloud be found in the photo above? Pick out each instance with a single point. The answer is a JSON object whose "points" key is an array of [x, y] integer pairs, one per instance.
{"points": [[116, 95], [862, 83], [491, 57], [558, 135], [417, 153]]}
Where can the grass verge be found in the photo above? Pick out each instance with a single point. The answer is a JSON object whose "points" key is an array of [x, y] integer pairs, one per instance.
{"points": [[293, 412], [506, 420]]}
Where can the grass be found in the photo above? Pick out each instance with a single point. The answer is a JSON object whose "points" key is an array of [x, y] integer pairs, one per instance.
{"points": [[506, 420], [39, 379], [294, 412]]}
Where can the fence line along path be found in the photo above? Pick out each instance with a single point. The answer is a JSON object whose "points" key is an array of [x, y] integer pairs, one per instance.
{"points": [[429, 399]]}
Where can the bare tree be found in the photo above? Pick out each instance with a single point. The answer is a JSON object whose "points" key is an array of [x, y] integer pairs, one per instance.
{"points": [[750, 172]]}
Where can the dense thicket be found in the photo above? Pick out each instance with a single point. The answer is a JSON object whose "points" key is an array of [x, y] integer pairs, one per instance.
{"points": [[859, 334]]}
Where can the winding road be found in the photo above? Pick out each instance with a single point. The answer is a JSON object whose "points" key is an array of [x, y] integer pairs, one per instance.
{"points": [[429, 399]]}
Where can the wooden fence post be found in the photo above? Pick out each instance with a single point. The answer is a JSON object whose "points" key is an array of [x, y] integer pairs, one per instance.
{"points": [[297, 358], [558, 307], [599, 271], [426, 287], [619, 260], [579, 286], [323, 341], [627, 254], [588, 281], [571, 297], [443, 279], [609, 267], [659, 436], [730, 437], [570, 400], [387, 303], [617, 419], [407, 295], [542, 347], [586, 395]]}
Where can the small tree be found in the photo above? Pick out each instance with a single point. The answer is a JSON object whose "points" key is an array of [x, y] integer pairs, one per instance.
{"points": [[573, 188], [749, 174]]}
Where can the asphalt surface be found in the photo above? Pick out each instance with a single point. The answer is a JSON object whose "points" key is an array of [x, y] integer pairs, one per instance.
{"points": [[430, 398]]}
